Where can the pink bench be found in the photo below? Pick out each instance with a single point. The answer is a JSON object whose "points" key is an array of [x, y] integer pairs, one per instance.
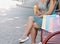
{"points": [[50, 38]]}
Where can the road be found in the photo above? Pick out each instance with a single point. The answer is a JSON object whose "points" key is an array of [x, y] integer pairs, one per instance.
{"points": [[12, 23]]}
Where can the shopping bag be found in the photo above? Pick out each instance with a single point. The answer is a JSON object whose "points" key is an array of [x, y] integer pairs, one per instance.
{"points": [[51, 23]]}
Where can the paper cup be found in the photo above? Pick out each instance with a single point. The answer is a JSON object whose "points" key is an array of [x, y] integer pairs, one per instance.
{"points": [[35, 7]]}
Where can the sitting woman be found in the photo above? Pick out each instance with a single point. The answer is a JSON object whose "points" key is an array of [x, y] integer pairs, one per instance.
{"points": [[43, 7]]}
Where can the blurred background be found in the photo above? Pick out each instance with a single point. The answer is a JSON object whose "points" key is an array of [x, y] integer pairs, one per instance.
{"points": [[13, 16]]}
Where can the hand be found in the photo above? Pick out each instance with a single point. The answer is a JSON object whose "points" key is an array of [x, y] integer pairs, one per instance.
{"points": [[38, 13], [40, 16]]}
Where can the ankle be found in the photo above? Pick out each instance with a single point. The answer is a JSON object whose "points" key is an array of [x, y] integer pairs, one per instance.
{"points": [[33, 43]]}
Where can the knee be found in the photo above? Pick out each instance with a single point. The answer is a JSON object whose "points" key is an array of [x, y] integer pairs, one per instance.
{"points": [[30, 17], [35, 25]]}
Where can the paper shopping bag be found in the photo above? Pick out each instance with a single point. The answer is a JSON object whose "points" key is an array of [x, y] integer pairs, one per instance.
{"points": [[50, 22]]}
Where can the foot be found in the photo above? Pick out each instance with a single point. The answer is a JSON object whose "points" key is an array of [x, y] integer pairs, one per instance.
{"points": [[23, 40], [40, 43]]}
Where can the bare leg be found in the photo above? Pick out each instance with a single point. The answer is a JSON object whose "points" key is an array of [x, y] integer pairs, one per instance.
{"points": [[33, 36], [31, 29], [34, 33], [29, 25]]}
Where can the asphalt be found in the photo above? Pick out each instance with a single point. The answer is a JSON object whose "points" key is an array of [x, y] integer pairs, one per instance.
{"points": [[12, 24]]}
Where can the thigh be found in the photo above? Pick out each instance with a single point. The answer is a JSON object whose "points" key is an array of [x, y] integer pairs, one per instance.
{"points": [[38, 21], [35, 25]]}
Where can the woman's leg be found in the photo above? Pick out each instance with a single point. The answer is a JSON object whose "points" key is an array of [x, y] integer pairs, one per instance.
{"points": [[29, 25], [34, 33], [30, 28]]}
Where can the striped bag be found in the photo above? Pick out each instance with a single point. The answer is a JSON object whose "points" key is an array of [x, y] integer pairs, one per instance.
{"points": [[51, 23]]}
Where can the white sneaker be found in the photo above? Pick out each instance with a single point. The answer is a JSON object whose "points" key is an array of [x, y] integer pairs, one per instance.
{"points": [[40, 43], [20, 40]]}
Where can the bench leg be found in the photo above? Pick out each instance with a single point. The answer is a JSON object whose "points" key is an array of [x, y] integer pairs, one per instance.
{"points": [[42, 35]]}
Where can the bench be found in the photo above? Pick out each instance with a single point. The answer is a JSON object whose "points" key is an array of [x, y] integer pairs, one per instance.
{"points": [[50, 38]]}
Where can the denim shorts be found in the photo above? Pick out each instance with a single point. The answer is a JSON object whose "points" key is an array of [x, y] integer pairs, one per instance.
{"points": [[38, 20]]}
